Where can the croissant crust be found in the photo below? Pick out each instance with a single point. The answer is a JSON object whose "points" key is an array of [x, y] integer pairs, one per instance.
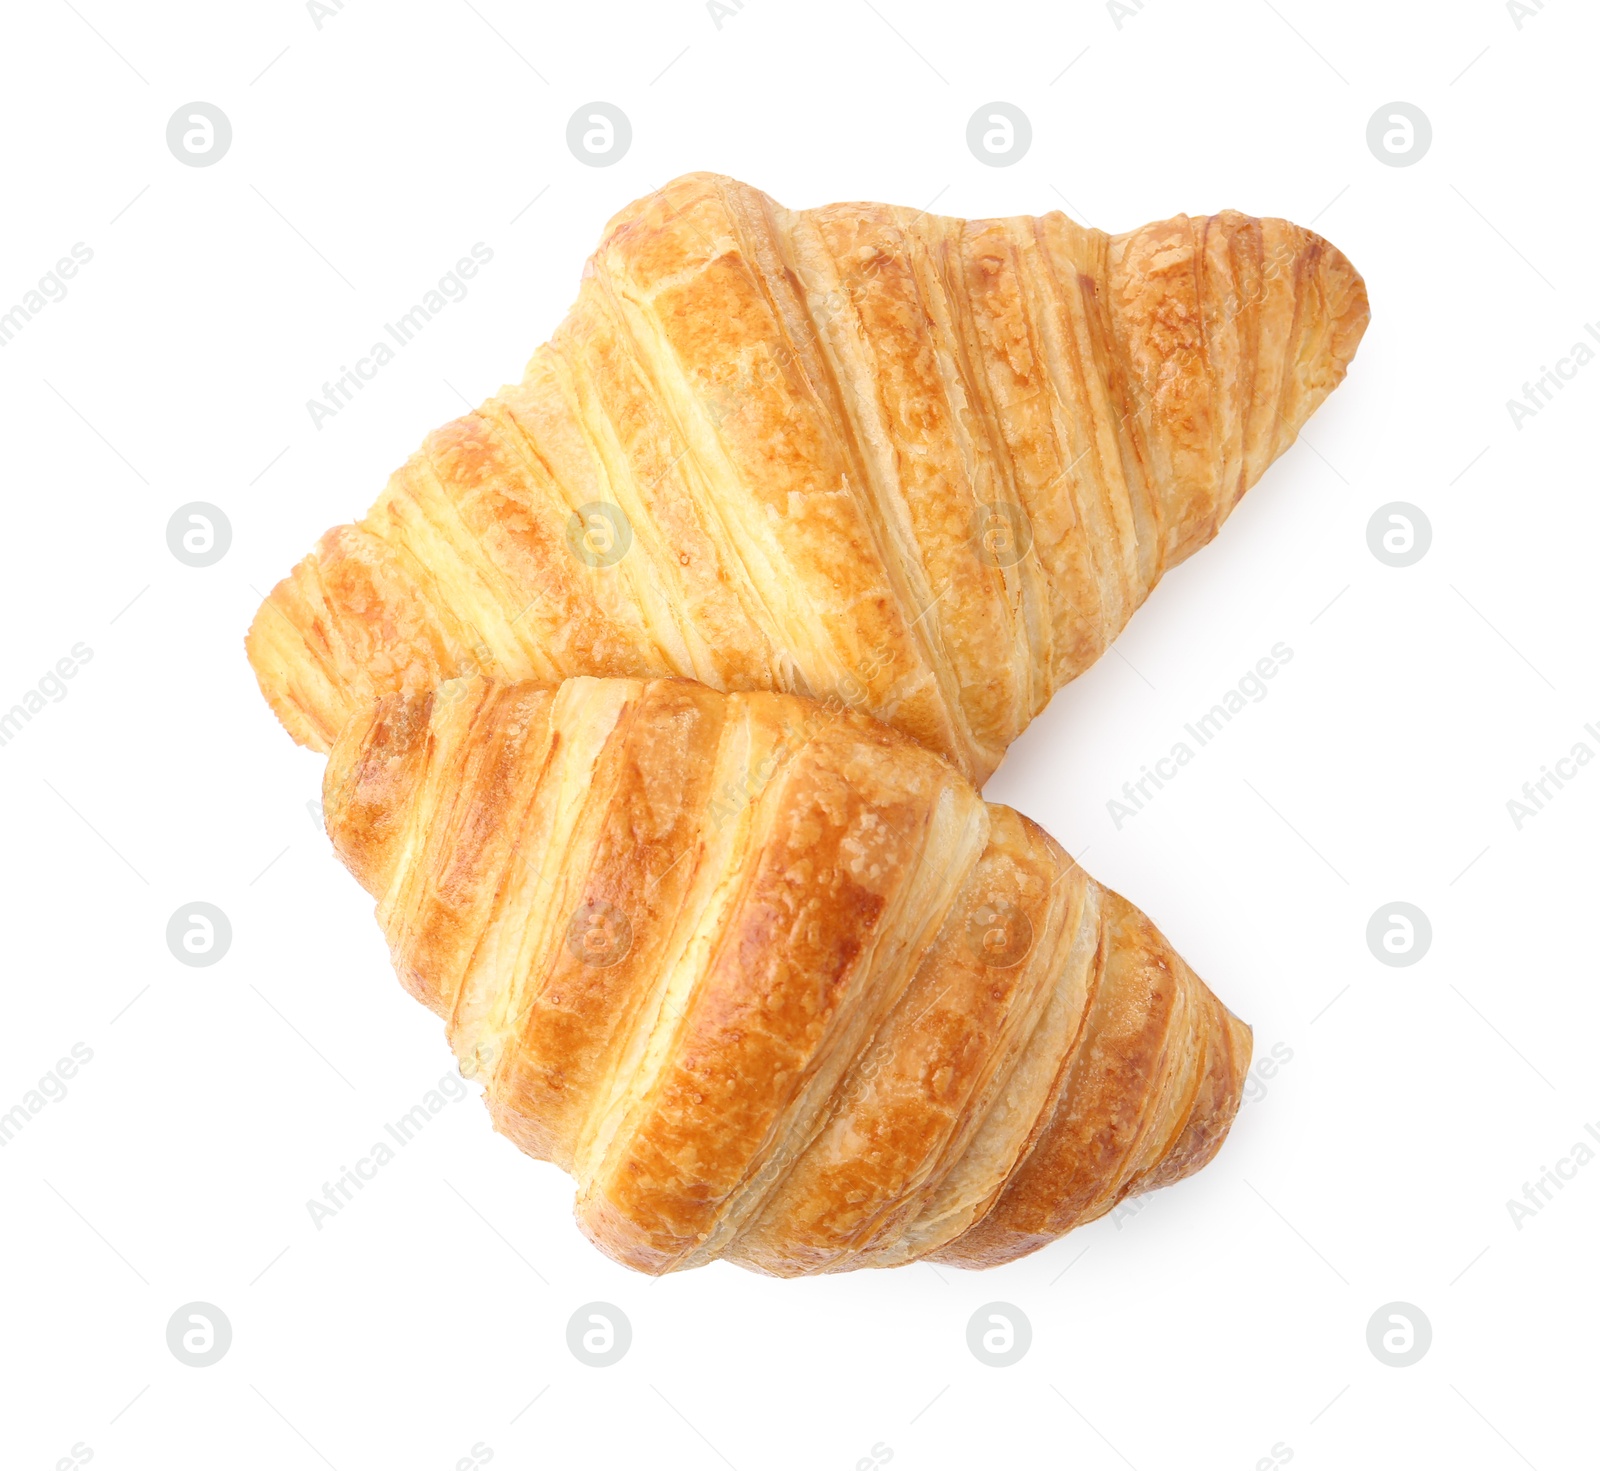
{"points": [[771, 981], [927, 466]]}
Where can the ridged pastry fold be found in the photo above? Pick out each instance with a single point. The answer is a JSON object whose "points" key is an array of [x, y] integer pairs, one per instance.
{"points": [[770, 980], [928, 466]]}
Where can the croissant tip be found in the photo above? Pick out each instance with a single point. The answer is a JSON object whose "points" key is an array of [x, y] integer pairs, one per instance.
{"points": [[275, 650], [370, 782]]}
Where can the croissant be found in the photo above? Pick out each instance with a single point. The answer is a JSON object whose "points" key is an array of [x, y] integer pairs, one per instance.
{"points": [[770, 980], [927, 466]]}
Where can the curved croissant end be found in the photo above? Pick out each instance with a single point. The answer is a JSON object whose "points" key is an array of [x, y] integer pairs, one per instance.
{"points": [[772, 982], [929, 466]]}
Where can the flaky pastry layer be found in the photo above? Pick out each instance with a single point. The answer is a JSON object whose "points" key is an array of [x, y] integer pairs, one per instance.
{"points": [[929, 466], [771, 981]]}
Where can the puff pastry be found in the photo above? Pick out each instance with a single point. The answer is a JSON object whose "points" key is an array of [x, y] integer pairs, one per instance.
{"points": [[770, 980], [929, 466]]}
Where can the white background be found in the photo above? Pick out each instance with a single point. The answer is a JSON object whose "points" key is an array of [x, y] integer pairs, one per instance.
{"points": [[1225, 1318]]}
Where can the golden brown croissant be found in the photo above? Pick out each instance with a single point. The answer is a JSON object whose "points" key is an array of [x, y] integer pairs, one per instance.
{"points": [[930, 466], [770, 980]]}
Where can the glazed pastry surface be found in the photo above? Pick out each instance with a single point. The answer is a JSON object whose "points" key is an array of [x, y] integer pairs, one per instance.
{"points": [[771, 981], [928, 466]]}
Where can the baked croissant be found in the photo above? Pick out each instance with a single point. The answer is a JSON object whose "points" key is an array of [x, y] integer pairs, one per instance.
{"points": [[770, 980], [929, 466]]}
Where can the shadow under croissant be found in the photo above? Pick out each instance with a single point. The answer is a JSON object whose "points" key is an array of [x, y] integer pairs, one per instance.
{"points": [[771, 981]]}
